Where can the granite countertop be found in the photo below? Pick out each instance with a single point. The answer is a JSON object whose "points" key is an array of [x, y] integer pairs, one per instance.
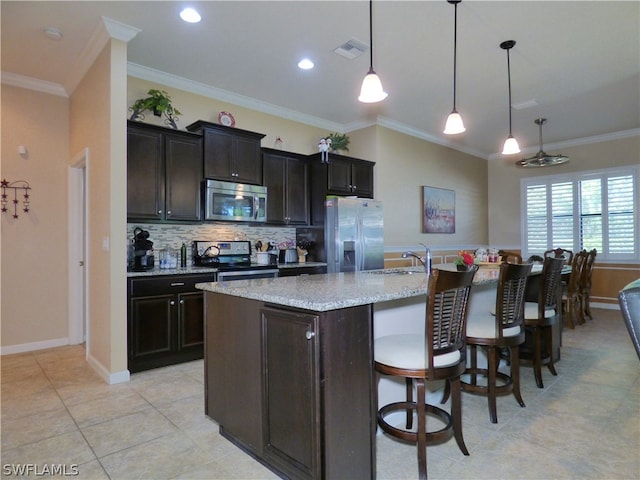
{"points": [[199, 270], [334, 291]]}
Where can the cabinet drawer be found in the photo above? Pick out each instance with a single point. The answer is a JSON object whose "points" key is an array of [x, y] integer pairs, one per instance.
{"points": [[166, 284]]}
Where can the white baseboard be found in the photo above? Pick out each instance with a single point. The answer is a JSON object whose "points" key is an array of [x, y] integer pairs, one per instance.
{"points": [[607, 306], [108, 377], [30, 347]]}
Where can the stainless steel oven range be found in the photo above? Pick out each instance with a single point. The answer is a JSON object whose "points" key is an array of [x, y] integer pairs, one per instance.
{"points": [[232, 258]]}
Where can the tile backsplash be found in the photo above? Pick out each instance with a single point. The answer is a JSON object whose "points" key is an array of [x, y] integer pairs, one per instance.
{"points": [[166, 236]]}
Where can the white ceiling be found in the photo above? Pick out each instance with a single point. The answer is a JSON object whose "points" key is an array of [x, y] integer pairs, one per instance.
{"points": [[579, 60]]}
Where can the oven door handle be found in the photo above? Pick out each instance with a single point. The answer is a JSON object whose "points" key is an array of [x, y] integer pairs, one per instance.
{"points": [[244, 273], [256, 205]]}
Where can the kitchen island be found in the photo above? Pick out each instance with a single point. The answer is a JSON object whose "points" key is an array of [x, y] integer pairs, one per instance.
{"points": [[288, 365]]}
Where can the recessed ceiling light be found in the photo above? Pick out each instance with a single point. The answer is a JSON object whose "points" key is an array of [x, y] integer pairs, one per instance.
{"points": [[190, 15], [53, 33], [305, 64]]}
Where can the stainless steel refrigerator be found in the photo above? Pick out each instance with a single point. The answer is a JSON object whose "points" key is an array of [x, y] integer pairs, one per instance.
{"points": [[353, 233]]}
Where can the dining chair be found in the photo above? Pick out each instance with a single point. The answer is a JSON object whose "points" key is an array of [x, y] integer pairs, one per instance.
{"points": [[560, 253], [511, 257], [571, 302], [629, 300], [585, 283], [494, 331], [439, 354], [541, 315]]}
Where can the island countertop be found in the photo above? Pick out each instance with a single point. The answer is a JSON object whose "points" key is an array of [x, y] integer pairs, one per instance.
{"points": [[333, 291]]}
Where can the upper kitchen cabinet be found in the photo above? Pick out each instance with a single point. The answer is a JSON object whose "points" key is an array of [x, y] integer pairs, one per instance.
{"points": [[286, 176], [230, 154], [164, 173], [345, 175]]}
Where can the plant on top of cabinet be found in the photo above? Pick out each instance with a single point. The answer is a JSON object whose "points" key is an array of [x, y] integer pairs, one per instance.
{"points": [[339, 141], [159, 102]]}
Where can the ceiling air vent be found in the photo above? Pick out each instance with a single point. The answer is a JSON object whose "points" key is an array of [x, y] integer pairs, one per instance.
{"points": [[352, 49]]}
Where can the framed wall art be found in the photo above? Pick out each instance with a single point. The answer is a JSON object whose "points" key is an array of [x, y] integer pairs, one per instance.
{"points": [[438, 210]]}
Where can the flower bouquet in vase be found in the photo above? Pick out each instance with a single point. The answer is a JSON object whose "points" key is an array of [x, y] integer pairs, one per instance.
{"points": [[464, 261]]}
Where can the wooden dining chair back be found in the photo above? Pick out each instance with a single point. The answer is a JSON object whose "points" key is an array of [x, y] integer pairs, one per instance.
{"points": [[439, 354], [571, 303], [511, 257], [560, 253], [540, 316], [495, 332], [585, 283]]}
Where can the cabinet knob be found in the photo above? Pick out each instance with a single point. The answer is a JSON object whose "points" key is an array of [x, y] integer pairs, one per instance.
{"points": [[181, 302], [168, 212], [353, 187], [159, 212], [310, 334], [172, 303]]}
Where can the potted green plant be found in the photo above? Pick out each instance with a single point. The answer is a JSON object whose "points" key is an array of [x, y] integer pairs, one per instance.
{"points": [[159, 102], [339, 141]]}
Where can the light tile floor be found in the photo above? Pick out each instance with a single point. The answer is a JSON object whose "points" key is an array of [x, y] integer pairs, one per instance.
{"points": [[584, 424]]}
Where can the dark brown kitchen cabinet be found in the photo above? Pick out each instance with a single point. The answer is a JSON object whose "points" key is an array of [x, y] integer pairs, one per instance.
{"points": [[291, 433], [287, 180], [277, 385], [164, 173], [343, 176], [230, 154], [165, 320]]}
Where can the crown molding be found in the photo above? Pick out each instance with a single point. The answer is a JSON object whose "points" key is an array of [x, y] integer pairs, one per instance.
{"points": [[414, 132], [30, 83], [577, 142], [152, 75], [107, 29]]}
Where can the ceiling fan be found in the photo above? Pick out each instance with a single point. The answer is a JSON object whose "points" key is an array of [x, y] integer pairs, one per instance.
{"points": [[542, 159]]}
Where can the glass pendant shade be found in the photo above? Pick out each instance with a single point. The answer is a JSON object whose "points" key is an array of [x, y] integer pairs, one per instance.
{"points": [[454, 124], [371, 91], [510, 146]]}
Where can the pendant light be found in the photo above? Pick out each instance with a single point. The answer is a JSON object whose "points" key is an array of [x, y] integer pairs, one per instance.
{"points": [[510, 144], [454, 120], [371, 91], [542, 159]]}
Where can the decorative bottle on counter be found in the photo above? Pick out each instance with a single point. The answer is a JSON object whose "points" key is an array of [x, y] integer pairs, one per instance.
{"points": [[183, 255]]}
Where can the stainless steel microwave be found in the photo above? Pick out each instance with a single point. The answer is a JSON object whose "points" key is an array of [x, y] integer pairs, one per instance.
{"points": [[235, 202]]}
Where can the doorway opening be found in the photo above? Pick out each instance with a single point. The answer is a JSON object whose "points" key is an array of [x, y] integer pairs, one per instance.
{"points": [[77, 253]]}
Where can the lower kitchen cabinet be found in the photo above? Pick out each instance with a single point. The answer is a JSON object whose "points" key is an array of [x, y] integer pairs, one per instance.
{"points": [[291, 432], [292, 387], [301, 270], [165, 320]]}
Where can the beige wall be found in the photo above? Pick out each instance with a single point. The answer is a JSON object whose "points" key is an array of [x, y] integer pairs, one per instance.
{"points": [[34, 246], [98, 123], [504, 181], [404, 164]]}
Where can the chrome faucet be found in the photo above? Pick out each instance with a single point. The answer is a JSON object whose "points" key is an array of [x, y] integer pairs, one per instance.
{"points": [[425, 261]]}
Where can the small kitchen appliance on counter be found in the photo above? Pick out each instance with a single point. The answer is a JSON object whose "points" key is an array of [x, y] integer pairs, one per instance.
{"points": [[143, 257], [232, 258]]}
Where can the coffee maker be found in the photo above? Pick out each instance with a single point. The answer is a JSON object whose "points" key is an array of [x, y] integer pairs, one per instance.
{"points": [[143, 257]]}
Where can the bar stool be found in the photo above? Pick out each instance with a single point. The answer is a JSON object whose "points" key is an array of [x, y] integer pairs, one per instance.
{"points": [[439, 354], [494, 331], [540, 316]]}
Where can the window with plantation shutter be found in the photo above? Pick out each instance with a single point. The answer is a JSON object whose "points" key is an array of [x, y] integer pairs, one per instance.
{"points": [[583, 211]]}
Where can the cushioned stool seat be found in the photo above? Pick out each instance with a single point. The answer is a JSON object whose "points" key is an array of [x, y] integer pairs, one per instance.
{"points": [[439, 354], [502, 328]]}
